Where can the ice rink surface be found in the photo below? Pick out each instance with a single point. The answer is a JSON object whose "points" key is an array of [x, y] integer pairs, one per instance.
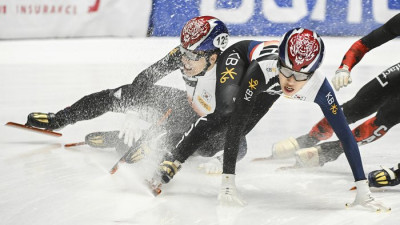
{"points": [[43, 183]]}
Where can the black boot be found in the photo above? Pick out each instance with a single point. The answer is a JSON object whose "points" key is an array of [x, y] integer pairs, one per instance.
{"points": [[107, 139], [168, 168], [136, 153], [385, 177], [48, 121]]}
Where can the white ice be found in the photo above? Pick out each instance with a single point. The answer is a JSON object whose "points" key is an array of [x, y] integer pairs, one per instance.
{"points": [[43, 183]]}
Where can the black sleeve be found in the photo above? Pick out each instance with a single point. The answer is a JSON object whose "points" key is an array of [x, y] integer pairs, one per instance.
{"points": [[263, 103], [383, 34], [158, 70], [231, 67], [200, 132], [251, 86]]}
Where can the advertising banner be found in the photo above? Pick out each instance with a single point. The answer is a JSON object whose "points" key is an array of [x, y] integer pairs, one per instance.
{"points": [[73, 18], [275, 17]]}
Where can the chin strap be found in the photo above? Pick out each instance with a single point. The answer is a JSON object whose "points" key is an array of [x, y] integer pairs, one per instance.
{"points": [[206, 67]]}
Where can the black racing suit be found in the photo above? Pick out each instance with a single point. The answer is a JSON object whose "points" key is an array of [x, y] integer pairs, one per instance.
{"points": [[232, 66], [142, 94], [380, 95], [154, 100]]}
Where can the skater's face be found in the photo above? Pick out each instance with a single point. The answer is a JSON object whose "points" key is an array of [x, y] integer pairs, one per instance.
{"points": [[290, 86], [298, 76], [195, 62], [291, 81], [193, 67]]}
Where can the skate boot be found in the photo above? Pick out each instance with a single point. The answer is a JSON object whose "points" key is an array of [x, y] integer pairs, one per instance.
{"points": [[47, 121], [136, 154], [385, 177], [168, 169], [102, 139]]}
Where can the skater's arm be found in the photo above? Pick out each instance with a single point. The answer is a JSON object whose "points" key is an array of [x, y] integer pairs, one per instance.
{"points": [[158, 70], [377, 37], [327, 101]]}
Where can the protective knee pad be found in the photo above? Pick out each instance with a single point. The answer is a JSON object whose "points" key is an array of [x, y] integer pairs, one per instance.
{"points": [[285, 148], [307, 157]]}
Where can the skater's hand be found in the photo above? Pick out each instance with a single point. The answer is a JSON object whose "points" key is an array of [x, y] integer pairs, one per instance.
{"points": [[364, 198], [342, 78], [228, 195], [132, 128]]}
